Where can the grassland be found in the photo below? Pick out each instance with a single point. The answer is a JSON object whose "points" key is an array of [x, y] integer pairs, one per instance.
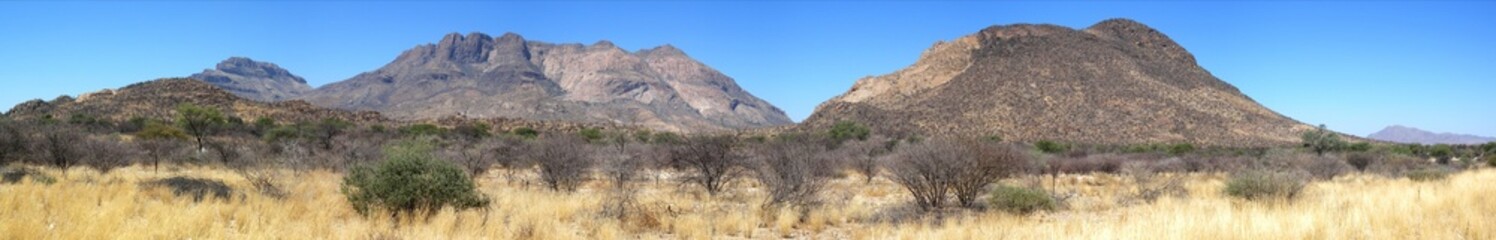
{"points": [[84, 204]]}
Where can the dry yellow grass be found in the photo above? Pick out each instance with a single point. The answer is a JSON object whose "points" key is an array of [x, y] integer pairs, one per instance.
{"points": [[83, 204]]}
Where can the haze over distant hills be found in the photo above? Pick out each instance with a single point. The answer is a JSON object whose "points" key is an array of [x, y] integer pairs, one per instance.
{"points": [[1404, 134], [481, 76], [1116, 82]]}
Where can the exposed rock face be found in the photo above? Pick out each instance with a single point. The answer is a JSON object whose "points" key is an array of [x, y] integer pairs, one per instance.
{"points": [[1116, 82], [158, 99], [1403, 134], [259, 81], [480, 76]]}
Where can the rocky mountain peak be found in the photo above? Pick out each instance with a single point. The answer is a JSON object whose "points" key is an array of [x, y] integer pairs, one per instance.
{"points": [[662, 50], [464, 49], [244, 66], [255, 80]]}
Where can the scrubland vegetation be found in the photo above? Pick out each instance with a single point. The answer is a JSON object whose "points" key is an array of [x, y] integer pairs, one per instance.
{"points": [[210, 175]]}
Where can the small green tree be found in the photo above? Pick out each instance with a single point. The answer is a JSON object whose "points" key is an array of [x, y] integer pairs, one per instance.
{"points": [[1322, 140], [200, 122], [158, 130], [263, 125], [848, 130], [591, 134], [410, 180], [526, 132], [328, 129], [1181, 149], [1441, 153], [1051, 147], [1020, 200], [475, 130]]}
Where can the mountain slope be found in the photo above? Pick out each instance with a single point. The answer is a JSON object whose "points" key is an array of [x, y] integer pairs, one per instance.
{"points": [[481, 76], [1403, 134], [1116, 82], [259, 81], [158, 99]]}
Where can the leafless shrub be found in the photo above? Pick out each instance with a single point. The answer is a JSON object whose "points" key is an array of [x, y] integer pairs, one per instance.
{"points": [[932, 169], [12, 142], [1397, 165], [990, 162], [862, 156], [355, 148], [792, 171], [1360, 160], [158, 150], [623, 162], [105, 154], [473, 157], [564, 161], [1154, 180], [55, 145], [709, 161]]}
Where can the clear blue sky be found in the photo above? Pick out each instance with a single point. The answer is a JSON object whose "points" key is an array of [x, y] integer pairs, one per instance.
{"points": [[1356, 66]]}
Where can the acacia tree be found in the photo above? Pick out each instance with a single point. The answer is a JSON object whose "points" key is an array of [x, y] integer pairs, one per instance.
{"points": [[709, 160], [1322, 140], [200, 122]]}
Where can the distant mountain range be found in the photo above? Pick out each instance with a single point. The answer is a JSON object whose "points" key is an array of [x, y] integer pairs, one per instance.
{"points": [[479, 76], [1116, 82], [1404, 134]]}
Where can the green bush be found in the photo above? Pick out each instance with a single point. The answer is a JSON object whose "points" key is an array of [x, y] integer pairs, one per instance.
{"points": [[591, 134], [410, 180], [1253, 185], [1427, 174], [1491, 161], [1020, 200], [1180, 149], [1051, 147], [847, 130], [526, 132]]}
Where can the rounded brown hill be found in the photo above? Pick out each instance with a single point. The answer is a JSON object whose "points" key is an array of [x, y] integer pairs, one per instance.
{"points": [[1116, 82]]}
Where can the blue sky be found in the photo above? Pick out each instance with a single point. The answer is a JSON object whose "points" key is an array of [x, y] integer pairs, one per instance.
{"points": [[1356, 66]]}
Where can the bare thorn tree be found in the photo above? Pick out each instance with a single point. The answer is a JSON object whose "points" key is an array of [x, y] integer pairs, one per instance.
{"points": [[564, 161], [709, 161], [793, 171]]}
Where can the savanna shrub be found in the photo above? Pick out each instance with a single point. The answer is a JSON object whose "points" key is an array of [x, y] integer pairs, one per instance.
{"points": [[1020, 200], [1259, 184], [410, 179]]}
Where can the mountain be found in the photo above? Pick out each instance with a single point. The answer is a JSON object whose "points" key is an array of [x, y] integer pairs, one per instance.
{"points": [[158, 99], [1116, 82], [481, 76], [1403, 134], [259, 81]]}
